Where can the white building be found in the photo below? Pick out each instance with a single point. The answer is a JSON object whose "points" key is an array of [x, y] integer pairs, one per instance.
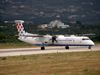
{"points": [[58, 24], [42, 26], [62, 26]]}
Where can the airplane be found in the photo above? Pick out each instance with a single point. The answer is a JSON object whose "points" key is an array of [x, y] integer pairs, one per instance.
{"points": [[54, 40]]}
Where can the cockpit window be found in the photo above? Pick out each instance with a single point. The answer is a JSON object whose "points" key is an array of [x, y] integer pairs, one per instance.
{"points": [[85, 39]]}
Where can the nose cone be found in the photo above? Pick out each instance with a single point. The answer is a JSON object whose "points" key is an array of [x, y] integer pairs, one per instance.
{"points": [[92, 43]]}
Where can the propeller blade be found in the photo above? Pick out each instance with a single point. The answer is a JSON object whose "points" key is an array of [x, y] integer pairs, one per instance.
{"points": [[54, 39]]}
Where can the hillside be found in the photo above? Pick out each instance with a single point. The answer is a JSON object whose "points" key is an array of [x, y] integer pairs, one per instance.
{"points": [[41, 11]]}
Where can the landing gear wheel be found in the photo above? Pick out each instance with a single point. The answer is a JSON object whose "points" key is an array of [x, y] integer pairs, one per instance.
{"points": [[42, 48], [67, 47], [89, 47]]}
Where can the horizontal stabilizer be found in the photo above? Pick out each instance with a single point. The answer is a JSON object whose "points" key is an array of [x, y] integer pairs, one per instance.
{"points": [[19, 21]]}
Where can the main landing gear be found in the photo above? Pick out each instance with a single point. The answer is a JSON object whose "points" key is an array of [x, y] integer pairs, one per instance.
{"points": [[43, 48], [67, 47]]}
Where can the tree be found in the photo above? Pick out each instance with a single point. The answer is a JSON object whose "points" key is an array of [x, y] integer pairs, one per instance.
{"points": [[2, 36], [78, 22], [97, 38]]}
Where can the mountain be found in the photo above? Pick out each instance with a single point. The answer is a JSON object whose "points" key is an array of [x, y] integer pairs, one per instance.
{"points": [[44, 11]]}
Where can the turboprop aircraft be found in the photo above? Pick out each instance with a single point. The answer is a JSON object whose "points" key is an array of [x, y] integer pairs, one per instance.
{"points": [[55, 40]]}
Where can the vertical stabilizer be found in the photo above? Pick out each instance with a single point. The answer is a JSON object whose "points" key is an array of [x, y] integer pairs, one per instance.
{"points": [[20, 28]]}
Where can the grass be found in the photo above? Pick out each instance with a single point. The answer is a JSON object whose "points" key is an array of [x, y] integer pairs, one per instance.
{"points": [[97, 43], [72, 63], [15, 45]]}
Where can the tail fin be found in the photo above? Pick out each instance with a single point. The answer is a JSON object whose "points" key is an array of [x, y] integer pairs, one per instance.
{"points": [[20, 28]]}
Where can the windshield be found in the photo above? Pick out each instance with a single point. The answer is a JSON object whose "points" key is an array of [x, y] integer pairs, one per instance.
{"points": [[85, 39]]}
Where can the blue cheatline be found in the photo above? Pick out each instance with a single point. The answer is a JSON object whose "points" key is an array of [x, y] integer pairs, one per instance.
{"points": [[60, 45]]}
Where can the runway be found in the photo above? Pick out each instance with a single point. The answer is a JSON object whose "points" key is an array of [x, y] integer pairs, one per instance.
{"points": [[28, 51]]}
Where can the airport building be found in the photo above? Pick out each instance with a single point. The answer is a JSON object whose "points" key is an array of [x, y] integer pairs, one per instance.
{"points": [[55, 23]]}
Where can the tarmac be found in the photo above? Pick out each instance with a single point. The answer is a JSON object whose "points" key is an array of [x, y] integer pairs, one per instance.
{"points": [[29, 51]]}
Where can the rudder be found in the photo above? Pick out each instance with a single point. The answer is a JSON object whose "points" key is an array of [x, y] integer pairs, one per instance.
{"points": [[20, 28]]}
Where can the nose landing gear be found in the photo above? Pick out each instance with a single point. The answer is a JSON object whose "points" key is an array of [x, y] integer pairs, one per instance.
{"points": [[89, 47]]}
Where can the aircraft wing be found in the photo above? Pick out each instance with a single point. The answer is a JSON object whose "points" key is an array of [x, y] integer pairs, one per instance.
{"points": [[40, 38], [32, 35], [35, 35]]}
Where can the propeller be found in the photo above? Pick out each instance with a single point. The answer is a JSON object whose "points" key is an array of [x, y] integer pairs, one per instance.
{"points": [[54, 39], [53, 36]]}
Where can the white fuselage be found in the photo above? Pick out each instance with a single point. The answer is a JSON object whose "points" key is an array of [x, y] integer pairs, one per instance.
{"points": [[61, 40]]}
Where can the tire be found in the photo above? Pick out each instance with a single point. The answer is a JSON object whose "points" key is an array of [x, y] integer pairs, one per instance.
{"points": [[42, 48], [67, 47]]}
